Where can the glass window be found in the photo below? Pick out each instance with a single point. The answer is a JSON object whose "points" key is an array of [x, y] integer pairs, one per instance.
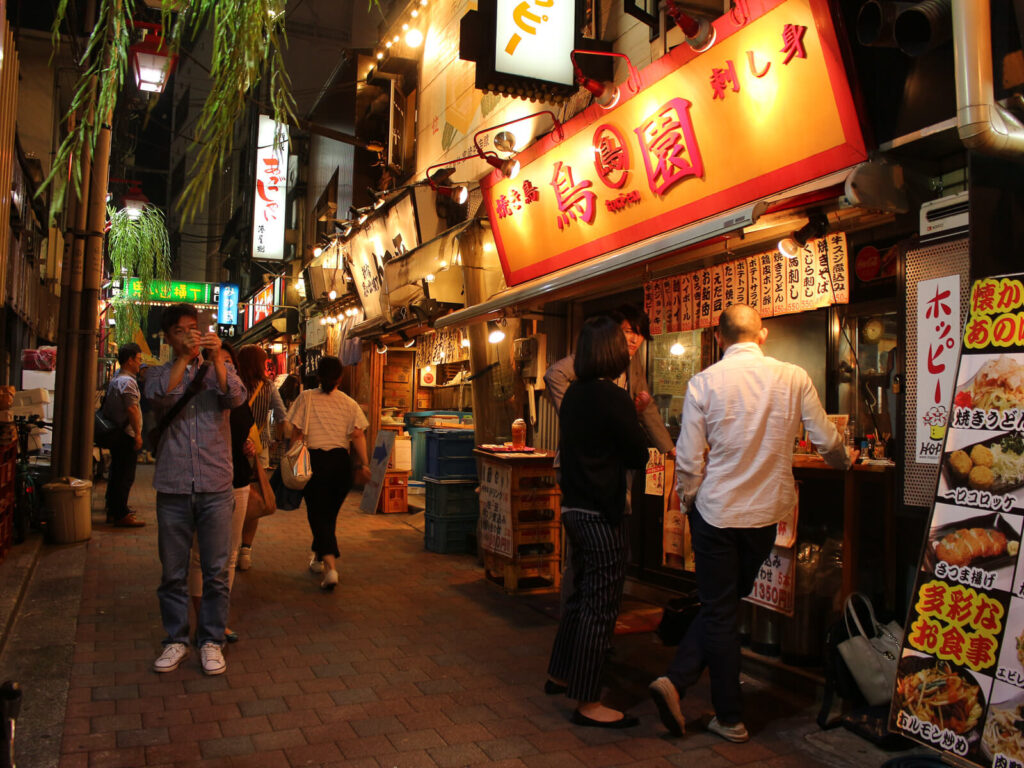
{"points": [[673, 358], [866, 377]]}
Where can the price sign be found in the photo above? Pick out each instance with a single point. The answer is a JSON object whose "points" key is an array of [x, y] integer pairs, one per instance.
{"points": [[774, 585]]}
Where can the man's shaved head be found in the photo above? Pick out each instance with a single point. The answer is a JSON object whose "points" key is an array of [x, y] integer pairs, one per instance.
{"points": [[739, 323]]}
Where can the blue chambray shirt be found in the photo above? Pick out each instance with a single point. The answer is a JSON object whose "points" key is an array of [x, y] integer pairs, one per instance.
{"points": [[195, 450]]}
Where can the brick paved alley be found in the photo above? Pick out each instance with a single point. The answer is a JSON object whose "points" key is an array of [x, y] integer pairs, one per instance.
{"points": [[413, 661]]}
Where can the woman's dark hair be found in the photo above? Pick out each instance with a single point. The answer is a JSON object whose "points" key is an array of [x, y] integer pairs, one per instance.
{"points": [[289, 389], [601, 350], [227, 347], [173, 313], [328, 371], [252, 366]]}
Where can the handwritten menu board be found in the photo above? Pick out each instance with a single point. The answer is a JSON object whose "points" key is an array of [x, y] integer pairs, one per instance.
{"points": [[496, 509], [768, 282], [960, 680]]}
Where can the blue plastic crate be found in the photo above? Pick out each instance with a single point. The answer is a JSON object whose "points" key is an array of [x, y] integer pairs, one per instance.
{"points": [[450, 454], [450, 498], [450, 535]]}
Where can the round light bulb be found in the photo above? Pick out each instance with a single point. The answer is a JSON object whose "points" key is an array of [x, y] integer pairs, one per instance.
{"points": [[676, 349], [388, 44], [379, 55], [429, 278], [415, 12], [323, 321], [496, 336], [464, 343], [405, 27], [414, 38], [332, 295]]}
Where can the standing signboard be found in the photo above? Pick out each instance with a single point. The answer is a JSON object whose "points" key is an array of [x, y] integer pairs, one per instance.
{"points": [[384, 444], [960, 679], [496, 510]]}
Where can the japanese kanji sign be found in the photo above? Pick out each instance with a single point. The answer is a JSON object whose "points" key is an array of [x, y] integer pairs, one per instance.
{"points": [[766, 108], [960, 679], [496, 509], [938, 334], [678, 303], [169, 291], [271, 190]]}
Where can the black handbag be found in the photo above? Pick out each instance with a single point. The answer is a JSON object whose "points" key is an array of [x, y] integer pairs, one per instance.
{"points": [[104, 430]]}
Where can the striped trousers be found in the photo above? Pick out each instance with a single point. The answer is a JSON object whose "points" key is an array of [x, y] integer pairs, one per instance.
{"points": [[588, 617]]}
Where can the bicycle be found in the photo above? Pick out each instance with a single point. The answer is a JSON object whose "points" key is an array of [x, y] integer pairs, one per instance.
{"points": [[28, 506]]}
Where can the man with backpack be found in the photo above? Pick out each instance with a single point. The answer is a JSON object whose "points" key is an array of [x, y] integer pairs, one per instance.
{"points": [[121, 406]]}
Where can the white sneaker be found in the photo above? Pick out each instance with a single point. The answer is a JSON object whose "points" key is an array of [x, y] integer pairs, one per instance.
{"points": [[736, 733], [213, 659], [171, 657], [330, 580], [244, 562], [315, 565], [666, 697]]}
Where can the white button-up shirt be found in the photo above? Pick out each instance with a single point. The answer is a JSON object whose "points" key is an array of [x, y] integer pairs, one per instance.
{"points": [[747, 409]]}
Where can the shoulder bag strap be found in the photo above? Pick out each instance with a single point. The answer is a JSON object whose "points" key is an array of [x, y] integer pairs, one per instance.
{"points": [[851, 610], [255, 395], [191, 391]]}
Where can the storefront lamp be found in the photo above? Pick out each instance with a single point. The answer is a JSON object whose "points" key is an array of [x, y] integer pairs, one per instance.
{"points": [[816, 226], [134, 200], [510, 167], [332, 294], [605, 94], [381, 348], [414, 38], [497, 334], [699, 33], [676, 350], [150, 58], [464, 343]]}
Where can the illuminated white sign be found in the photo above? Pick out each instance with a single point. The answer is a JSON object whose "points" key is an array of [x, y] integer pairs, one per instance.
{"points": [[534, 39], [271, 191]]}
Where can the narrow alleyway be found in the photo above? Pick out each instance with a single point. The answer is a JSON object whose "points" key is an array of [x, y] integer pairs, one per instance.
{"points": [[413, 661]]}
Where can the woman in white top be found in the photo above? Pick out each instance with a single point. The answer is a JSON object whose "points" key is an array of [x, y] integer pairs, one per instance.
{"points": [[332, 424]]}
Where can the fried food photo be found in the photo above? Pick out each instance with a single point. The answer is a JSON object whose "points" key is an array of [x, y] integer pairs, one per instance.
{"points": [[980, 478], [937, 694], [982, 456], [965, 545], [960, 465]]}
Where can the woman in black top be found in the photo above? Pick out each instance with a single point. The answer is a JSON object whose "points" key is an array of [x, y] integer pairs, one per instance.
{"points": [[600, 439]]}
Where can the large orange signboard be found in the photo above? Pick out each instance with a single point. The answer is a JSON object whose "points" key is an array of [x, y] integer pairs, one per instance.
{"points": [[767, 107]]}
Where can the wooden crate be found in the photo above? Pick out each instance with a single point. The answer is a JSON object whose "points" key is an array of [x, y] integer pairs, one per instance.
{"points": [[394, 493], [536, 540], [524, 575]]}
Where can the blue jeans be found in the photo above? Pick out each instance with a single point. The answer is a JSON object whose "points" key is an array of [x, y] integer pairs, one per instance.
{"points": [[207, 517]]}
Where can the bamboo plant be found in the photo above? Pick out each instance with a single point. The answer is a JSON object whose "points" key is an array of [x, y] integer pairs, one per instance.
{"points": [[138, 246], [248, 42]]}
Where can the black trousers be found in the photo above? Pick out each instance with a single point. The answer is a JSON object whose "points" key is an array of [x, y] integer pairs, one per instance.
{"points": [[324, 494], [588, 616], [123, 458], [727, 562]]}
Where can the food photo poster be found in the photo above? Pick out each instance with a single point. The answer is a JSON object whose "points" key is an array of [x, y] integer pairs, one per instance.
{"points": [[960, 678]]}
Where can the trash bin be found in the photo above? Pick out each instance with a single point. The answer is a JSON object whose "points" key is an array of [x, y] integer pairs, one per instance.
{"points": [[68, 503]]}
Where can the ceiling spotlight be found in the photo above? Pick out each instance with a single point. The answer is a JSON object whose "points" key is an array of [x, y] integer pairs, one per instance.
{"points": [[816, 226], [380, 347], [414, 38], [496, 336], [459, 193], [409, 343]]}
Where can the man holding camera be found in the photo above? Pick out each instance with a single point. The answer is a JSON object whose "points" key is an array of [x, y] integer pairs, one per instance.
{"points": [[192, 396]]}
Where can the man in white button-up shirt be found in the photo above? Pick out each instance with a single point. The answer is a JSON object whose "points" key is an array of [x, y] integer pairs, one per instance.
{"points": [[735, 481]]}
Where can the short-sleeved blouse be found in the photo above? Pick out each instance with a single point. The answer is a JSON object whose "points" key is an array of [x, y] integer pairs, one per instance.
{"points": [[332, 416]]}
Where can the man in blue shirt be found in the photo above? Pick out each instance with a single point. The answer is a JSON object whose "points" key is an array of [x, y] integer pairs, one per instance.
{"points": [[193, 484], [121, 406]]}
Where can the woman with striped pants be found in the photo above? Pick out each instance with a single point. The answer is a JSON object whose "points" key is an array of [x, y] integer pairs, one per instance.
{"points": [[600, 439]]}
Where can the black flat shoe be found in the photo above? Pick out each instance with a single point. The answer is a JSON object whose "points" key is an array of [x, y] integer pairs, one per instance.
{"points": [[626, 721], [551, 688]]}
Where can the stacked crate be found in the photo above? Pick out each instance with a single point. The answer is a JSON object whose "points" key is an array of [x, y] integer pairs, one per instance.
{"points": [[8, 468], [536, 562], [451, 511]]}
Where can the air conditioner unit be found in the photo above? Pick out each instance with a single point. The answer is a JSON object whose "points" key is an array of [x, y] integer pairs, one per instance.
{"points": [[945, 218]]}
